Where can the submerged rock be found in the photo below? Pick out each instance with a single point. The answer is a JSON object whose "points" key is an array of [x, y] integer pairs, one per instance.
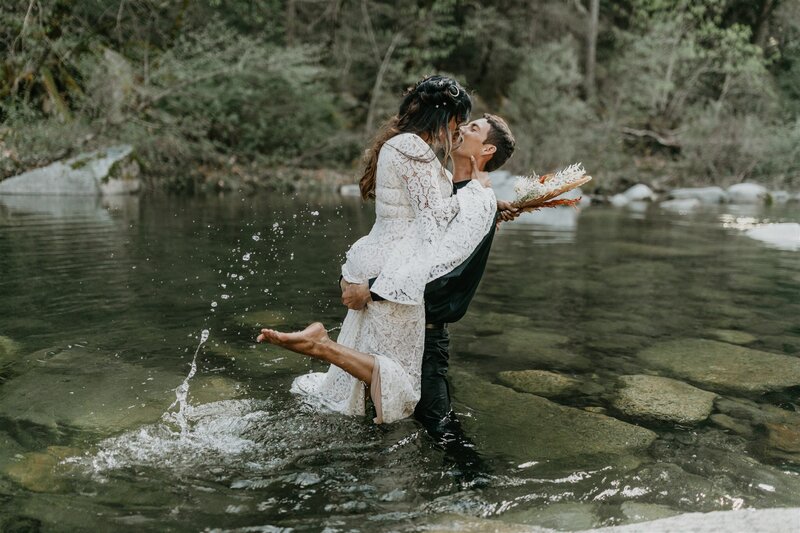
{"points": [[87, 389], [644, 512], [724, 367], [663, 399], [686, 205], [102, 172], [561, 516], [727, 422], [8, 350], [532, 428], [539, 382], [640, 192], [747, 193], [732, 336], [39, 471], [706, 195]]}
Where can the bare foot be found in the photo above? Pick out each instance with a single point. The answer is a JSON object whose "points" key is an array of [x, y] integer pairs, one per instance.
{"points": [[305, 342]]}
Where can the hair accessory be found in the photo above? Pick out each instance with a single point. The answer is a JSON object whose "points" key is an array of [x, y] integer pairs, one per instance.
{"points": [[454, 91]]}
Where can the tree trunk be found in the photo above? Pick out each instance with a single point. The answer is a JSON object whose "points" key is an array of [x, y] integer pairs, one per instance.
{"points": [[591, 50], [289, 22], [376, 88], [762, 26]]}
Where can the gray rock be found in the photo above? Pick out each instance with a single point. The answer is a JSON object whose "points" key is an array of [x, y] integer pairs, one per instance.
{"points": [[724, 367], [747, 193], [686, 205], [350, 189], [640, 192], [706, 195], [665, 399], [784, 235], [110, 171], [532, 428], [619, 200], [539, 382], [561, 516], [780, 197]]}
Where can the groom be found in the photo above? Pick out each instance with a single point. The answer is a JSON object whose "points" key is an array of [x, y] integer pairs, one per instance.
{"points": [[486, 144]]}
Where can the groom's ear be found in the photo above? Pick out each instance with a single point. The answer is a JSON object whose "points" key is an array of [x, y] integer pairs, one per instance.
{"points": [[488, 149]]}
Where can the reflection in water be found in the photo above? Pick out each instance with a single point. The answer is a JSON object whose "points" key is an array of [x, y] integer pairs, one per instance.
{"points": [[103, 304]]}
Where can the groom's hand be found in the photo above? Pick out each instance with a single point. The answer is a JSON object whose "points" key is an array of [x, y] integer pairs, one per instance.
{"points": [[355, 295]]}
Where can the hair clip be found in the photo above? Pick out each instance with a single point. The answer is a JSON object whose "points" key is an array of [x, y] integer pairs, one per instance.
{"points": [[452, 88]]}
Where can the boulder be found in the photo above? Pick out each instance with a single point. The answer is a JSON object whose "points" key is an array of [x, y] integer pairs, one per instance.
{"points": [[539, 382], [350, 189], [706, 195], [662, 399], [102, 172], [619, 200], [749, 520], [531, 428], [640, 192], [780, 197], [686, 205], [747, 193], [724, 367], [784, 235]]}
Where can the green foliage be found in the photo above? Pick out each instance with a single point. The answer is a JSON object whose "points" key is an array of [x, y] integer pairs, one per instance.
{"points": [[701, 88]]}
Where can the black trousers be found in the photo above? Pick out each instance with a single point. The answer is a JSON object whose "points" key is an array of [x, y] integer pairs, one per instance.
{"points": [[435, 413], [433, 409]]}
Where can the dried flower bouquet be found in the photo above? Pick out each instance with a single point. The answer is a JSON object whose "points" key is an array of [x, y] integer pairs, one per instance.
{"points": [[534, 192]]}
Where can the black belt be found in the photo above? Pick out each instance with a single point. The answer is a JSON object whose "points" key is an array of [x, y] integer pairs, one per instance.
{"points": [[439, 327]]}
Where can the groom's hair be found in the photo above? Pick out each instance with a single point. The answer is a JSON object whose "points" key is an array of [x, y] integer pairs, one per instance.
{"points": [[501, 138]]}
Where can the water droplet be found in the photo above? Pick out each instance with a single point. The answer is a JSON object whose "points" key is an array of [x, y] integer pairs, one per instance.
{"points": [[213, 304], [246, 257], [256, 237], [225, 296]]}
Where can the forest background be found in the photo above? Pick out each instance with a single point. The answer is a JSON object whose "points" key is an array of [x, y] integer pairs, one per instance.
{"points": [[220, 93]]}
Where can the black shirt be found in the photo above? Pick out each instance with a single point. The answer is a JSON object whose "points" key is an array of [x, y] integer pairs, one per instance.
{"points": [[448, 297]]}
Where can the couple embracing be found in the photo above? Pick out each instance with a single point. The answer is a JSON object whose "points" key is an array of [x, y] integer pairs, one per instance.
{"points": [[418, 268]]}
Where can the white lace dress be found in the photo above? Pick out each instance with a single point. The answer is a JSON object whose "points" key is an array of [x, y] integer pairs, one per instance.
{"points": [[421, 232]]}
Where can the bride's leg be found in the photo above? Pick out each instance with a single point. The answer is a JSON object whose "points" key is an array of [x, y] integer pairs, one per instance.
{"points": [[314, 341]]}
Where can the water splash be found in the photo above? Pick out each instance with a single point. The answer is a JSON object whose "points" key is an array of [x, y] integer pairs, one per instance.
{"points": [[182, 392]]}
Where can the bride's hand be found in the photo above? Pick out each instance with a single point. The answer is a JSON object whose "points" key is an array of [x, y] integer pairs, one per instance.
{"points": [[479, 175]]}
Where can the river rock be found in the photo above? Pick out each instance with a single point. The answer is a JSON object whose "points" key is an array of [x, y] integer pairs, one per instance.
{"points": [[39, 471], [732, 336], [724, 367], [782, 235], [531, 428], [686, 205], [207, 389], [780, 197], [747, 193], [663, 399], [350, 189], [727, 422], [87, 389], [619, 200], [746, 520], [560, 516], [8, 349], [639, 193], [109, 171], [706, 195], [539, 382], [784, 437]]}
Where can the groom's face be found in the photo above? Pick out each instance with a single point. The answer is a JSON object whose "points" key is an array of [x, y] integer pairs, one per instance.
{"points": [[473, 137]]}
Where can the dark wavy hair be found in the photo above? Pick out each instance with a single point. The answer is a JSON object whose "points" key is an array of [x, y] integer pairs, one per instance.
{"points": [[427, 108]]}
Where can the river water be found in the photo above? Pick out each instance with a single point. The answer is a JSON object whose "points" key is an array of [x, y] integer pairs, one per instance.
{"points": [[102, 308]]}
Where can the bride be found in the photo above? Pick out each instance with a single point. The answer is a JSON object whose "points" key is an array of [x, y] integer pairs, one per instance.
{"points": [[421, 232]]}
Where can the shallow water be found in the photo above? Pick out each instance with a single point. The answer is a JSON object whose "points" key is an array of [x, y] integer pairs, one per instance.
{"points": [[103, 305]]}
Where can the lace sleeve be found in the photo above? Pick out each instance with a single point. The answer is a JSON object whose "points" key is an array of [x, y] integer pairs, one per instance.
{"points": [[403, 277]]}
